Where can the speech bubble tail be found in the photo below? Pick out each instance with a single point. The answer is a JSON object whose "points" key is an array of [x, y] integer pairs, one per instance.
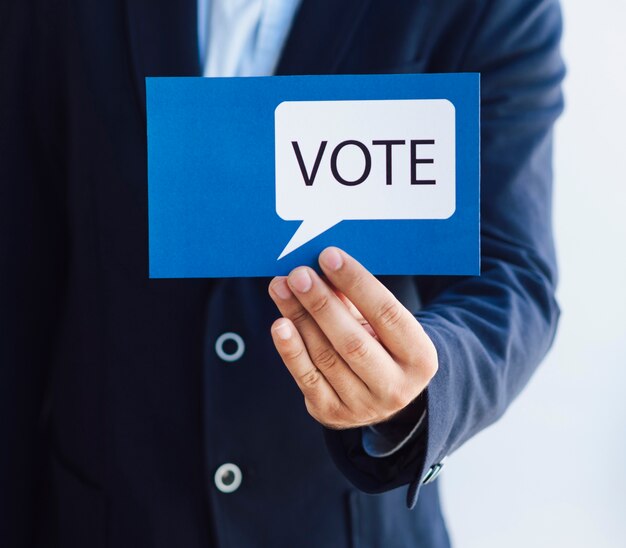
{"points": [[308, 230]]}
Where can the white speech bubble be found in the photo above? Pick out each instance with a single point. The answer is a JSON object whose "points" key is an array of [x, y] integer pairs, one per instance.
{"points": [[363, 160]]}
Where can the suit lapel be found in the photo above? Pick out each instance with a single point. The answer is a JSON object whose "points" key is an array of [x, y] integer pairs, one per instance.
{"points": [[163, 40], [320, 36]]}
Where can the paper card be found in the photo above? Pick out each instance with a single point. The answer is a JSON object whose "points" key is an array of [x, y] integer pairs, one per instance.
{"points": [[255, 176]]}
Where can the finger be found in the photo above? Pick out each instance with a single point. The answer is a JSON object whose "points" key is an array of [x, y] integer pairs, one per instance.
{"points": [[396, 327], [355, 312], [348, 304], [365, 356], [350, 388], [316, 389]]}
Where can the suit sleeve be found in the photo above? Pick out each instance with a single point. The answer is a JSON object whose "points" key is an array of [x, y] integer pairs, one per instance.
{"points": [[491, 331], [32, 258]]}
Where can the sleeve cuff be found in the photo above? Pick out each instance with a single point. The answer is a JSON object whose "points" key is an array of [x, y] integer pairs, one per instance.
{"points": [[407, 450], [385, 439]]}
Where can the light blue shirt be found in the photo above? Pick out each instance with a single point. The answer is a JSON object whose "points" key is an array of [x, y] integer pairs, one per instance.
{"points": [[243, 37]]}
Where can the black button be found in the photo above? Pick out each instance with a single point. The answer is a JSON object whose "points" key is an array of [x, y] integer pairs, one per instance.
{"points": [[228, 477]]}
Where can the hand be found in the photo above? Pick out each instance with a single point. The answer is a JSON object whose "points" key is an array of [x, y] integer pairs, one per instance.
{"points": [[357, 354]]}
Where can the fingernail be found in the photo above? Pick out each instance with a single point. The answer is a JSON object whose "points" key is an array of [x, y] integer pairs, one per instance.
{"points": [[331, 259], [300, 280], [283, 331], [281, 289]]}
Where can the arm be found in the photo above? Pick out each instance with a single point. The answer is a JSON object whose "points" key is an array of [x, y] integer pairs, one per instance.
{"points": [[490, 332]]}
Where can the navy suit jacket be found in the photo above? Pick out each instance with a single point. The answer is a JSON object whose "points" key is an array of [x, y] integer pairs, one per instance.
{"points": [[116, 410]]}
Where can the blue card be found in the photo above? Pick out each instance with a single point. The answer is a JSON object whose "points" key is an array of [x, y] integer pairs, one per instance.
{"points": [[255, 176]]}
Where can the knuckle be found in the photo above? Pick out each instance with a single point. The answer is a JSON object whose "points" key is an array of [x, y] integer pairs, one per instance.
{"points": [[330, 416], [299, 316], [312, 409], [320, 303], [326, 358], [356, 349], [370, 414], [334, 414], [425, 364], [293, 354], [393, 397], [356, 281], [390, 314], [397, 400], [311, 378], [431, 368]]}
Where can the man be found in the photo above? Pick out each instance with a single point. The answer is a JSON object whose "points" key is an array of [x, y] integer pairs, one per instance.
{"points": [[141, 412]]}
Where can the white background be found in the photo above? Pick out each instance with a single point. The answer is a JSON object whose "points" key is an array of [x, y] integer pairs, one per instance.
{"points": [[552, 472]]}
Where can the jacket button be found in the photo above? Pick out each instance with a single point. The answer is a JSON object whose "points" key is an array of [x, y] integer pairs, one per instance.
{"points": [[229, 356], [228, 477]]}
